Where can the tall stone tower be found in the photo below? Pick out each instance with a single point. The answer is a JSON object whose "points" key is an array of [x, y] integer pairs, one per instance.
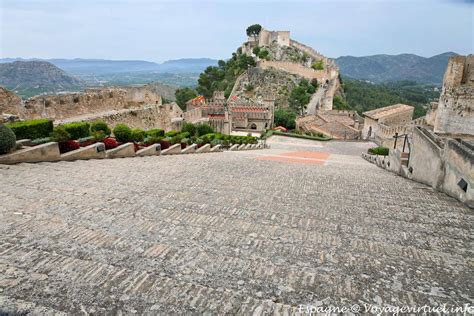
{"points": [[455, 113]]}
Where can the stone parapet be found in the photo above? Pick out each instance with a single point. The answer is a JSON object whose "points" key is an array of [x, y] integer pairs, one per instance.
{"points": [[122, 151], [44, 152], [152, 150], [94, 151], [173, 150]]}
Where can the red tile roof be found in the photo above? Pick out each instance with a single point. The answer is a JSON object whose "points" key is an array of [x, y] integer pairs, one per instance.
{"points": [[199, 100]]}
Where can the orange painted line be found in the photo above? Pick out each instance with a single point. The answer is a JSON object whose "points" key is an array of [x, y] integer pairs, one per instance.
{"points": [[301, 157]]}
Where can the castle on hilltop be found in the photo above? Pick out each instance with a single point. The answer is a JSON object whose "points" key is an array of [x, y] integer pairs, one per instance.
{"points": [[266, 38]]}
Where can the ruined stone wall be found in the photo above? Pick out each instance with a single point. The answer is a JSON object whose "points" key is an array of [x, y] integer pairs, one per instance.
{"points": [[154, 116], [64, 106], [455, 112]]}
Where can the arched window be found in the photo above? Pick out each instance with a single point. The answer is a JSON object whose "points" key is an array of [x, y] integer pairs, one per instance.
{"points": [[253, 126]]}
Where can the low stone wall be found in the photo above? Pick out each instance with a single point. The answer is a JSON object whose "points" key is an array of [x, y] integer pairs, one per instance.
{"points": [[445, 165], [459, 169], [50, 152], [160, 116]]}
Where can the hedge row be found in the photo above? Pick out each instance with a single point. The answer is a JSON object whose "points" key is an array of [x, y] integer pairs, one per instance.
{"points": [[32, 129], [382, 151], [301, 136]]}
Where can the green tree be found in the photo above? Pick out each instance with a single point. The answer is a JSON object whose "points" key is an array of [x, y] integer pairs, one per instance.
{"points": [[319, 65], [189, 128], [184, 95], [285, 118], [339, 103], [254, 30], [300, 96], [223, 76]]}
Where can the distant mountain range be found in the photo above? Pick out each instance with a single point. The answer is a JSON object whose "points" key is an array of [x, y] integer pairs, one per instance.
{"points": [[34, 77], [103, 66], [389, 68], [29, 77]]}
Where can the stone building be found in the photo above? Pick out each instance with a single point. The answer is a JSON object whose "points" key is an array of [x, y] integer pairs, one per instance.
{"points": [[454, 113], [440, 151], [266, 38], [380, 125], [235, 114]]}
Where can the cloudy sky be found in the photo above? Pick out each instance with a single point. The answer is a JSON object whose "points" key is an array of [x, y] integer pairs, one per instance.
{"points": [[163, 30]]}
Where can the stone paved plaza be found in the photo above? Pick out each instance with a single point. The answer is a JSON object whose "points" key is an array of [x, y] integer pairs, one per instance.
{"points": [[234, 232]]}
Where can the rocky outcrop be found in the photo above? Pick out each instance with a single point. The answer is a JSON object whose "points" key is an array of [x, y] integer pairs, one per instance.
{"points": [[9, 102], [264, 83], [289, 58]]}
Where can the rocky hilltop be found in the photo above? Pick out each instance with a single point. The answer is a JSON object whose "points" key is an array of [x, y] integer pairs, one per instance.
{"points": [[272, 66], [29, 78], [281, 65]]}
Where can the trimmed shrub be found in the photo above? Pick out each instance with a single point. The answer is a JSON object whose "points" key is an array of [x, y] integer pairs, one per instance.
{"points": [[138, 135], [189, 128], [171, 133], [7, 139], [149, 140], [100, 126], [60, 134], [40, 141], [123, 133], [68, 145], [184, 135], [324, 138], [77, 129], [215, 142], [155, 132], [383, 151], [99, 136], [32, 129], [110, 143], [203, 129]]}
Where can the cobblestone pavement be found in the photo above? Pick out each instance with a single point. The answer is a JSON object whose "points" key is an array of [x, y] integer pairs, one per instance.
{"points": [[228, 232]]}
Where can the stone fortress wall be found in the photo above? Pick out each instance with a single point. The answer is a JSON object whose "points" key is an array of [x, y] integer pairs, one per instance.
{"points": [[294, 68], [154, 116], [64, 106], [137, 107], [454, 114]]}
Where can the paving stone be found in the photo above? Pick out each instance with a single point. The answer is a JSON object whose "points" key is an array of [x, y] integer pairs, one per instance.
{"points": [[228, 233]]}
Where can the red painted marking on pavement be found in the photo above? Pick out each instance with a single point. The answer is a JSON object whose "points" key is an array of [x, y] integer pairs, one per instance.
{"points": [[301, 157]]}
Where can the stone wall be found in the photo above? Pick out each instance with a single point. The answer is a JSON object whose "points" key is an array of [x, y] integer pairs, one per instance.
{"points": [[91, 101], [154, 116], [426, 157], [459, 164], [295, 68], [455, 112]]}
